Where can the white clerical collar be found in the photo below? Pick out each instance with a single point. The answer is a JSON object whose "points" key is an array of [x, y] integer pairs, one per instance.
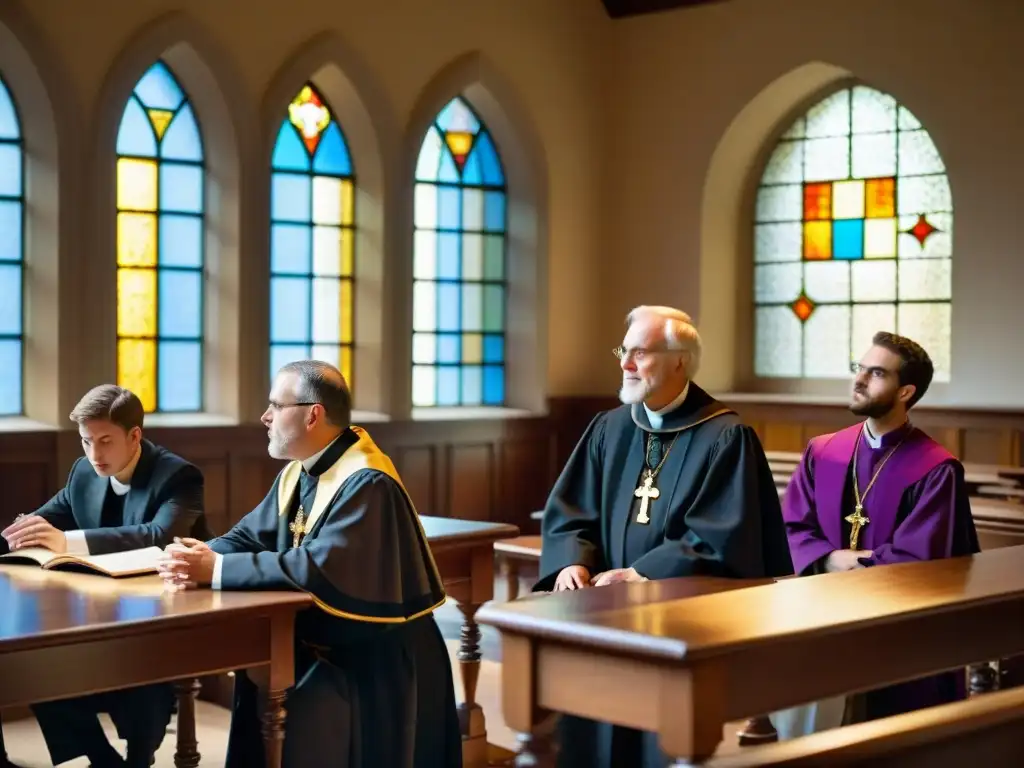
{"points": [[122, 488], [876, 442], [655, 418], [310, 462]]}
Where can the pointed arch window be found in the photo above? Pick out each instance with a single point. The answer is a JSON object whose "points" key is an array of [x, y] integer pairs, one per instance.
{"points": [[12, 256], [312, 238], [459, 270], [852, 235], [160, 245]]}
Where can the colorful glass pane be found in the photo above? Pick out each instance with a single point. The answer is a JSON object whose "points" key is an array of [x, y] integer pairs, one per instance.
{"points": [[459, 264], [160, 255], [12, 241], [312, 238], [852, 235]]}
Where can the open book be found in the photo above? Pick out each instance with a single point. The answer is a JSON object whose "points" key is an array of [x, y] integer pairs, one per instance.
{"points": [[134, 562]]}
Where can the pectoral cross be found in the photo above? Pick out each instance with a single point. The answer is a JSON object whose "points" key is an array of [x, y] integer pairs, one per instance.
{"points": [[646, 493], [298, 527], [857, 520]]}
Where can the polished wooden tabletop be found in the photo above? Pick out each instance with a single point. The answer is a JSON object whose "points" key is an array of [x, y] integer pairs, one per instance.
{"points": [[448, 531], [654, 619], [40, 607]]}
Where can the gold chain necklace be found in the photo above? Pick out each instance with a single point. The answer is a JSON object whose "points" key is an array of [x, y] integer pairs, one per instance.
{"points": [[858, 519]]}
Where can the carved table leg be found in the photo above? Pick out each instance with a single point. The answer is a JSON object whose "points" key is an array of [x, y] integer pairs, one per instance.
{"points": [[512, 577], [758, 730], [273, 728], [186, 754], [471, 716], [983, 679]]}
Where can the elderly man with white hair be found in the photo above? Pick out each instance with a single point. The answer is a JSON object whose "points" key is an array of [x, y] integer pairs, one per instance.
{"points": [[671, 483]]}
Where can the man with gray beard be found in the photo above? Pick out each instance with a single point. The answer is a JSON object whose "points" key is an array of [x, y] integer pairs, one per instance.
{"points": [[671, 483]]}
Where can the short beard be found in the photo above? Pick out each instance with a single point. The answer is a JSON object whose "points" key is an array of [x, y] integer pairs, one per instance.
{"points": [[873, 409], [277, 449], [633, 394]]}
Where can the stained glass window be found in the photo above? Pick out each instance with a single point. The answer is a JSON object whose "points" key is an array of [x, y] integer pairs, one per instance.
{"points": [[312, 238], [458, 342], [852, 235], [160, 248], [12, 239]]}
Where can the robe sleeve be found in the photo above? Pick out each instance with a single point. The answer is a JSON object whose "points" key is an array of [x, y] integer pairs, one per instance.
{"points": [[571, 528], [936, 525], [807, 543], [734, 526], [368, 561]]}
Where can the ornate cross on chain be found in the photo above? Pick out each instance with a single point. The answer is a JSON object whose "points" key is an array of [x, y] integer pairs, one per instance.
{"points": [[298, 527], [646, 493], [857, 520]]}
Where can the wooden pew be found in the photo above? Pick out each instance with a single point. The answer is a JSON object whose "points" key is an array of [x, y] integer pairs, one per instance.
{"points": [[679, 673], [986, 731]]}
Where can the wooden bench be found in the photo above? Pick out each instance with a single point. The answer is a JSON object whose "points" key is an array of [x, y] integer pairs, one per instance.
{"points": [[988, 730], [511, 554]]}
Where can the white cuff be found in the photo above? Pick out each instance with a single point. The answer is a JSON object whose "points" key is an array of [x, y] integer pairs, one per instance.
{"points": [[217, 565], [76, 543]]}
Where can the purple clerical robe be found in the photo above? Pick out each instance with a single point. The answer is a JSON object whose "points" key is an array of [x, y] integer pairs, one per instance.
{"points": [[918, 509]]}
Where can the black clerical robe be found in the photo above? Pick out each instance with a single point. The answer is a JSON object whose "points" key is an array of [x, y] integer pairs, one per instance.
{"points": [[717, 513], [374, 683]]}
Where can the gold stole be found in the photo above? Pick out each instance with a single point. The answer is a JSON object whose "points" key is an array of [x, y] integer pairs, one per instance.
{"points": [[364, 454]]}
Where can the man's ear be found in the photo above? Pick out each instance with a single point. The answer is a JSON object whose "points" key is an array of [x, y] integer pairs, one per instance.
{"points": [[906, 392]]}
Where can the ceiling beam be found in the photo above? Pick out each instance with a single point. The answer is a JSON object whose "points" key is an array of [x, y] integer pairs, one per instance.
{"points": [[619, 9]]}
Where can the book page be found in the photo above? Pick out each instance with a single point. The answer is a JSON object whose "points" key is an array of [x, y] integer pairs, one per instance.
{"points": [[132, 562], [39, 555]]}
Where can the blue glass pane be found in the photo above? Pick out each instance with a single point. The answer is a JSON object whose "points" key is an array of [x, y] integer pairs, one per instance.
{"points": [[448, 306], [289, 309], [181, 188], [448, 255], [9, 125], [10, 170], [449, 207], [494, 211], [10, 382], [182, 140], [449, 349], [448, 171], [290, 197], [489, 160], [10, 230], [181, 241], [290, 153], [472, 385], [471, 173], [282, 354], [10, 301], [135, 135], [494, 349], [291, 248], [448, 385], [457, 116], [179, 366], [180, 303], [494, 385], [332, 154], [158, 88], [848, 239]]}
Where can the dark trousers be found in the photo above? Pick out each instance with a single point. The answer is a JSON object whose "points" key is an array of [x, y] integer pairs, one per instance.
{"points": [[141, 715]]}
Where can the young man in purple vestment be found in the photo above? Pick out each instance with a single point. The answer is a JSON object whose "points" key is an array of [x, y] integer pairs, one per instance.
{"points": [[882, 492]]}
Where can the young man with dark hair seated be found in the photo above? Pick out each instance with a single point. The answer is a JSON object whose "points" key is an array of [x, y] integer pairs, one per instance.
{"points": [[125, 493]]}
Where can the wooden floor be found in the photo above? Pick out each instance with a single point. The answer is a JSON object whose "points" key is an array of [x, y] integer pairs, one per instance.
{"points": [[26, 747]]}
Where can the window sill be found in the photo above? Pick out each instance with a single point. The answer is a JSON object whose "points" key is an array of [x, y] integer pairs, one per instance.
{"points": [[160, 420], [780, 398], [21, 424], [469, 414]]}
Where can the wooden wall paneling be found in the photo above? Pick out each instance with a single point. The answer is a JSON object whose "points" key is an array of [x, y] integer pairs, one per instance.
{"points": [[470, 480], [524, 481], [417, 467], [784, 436], [988, 446]]}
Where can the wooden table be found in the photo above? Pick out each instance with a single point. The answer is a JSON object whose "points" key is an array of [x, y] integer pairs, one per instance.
{"points": [[683, 664], [70, 634]]}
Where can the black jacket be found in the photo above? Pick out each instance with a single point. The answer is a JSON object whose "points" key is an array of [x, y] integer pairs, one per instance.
{"points": [[165, 500]]}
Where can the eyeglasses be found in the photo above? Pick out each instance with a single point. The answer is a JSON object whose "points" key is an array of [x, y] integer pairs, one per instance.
{"points": [[875, 371], [638, 353], [281, 406]]}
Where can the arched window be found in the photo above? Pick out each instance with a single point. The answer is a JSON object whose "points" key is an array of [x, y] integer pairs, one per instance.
{"points": [[852, 235], [12, 255], [312, 238], [459, 271], [160, 246]]}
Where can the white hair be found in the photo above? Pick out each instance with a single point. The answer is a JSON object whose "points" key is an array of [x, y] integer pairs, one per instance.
{"points": [[680, 333]]}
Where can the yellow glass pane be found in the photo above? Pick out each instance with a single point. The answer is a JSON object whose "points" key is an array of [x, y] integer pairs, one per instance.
{"points": [[472, 348], [848, 199], [459, 142], [326, 200], [347, 202], [880, 238], [817, 240], [136, 184], [348, 238], [346, 365], [136, 369], [136, 302], [136, 240], [160, 118], [345, 311], [881, 198]]}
